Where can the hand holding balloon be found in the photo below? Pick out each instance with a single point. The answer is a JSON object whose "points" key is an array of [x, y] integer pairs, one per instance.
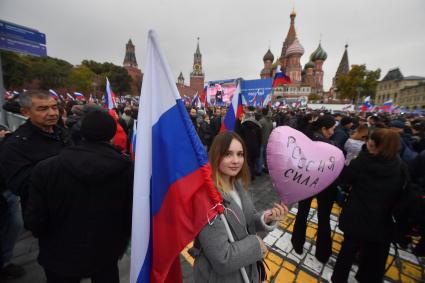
{"points": [[299, 167], [277, 213]]}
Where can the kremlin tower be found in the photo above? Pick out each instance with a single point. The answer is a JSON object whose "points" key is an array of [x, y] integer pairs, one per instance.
{"points": [[197, 77], [130, 64]]}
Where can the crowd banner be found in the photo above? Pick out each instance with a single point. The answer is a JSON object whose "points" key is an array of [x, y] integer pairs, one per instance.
{"points": [[256, 92]]}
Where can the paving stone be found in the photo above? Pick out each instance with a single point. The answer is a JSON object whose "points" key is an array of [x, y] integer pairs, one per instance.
{"points": [[284, 243], [408, 256], [269, 240], [313, 264], [306, 278], [285, 276], [327, 273], [276, 232]]}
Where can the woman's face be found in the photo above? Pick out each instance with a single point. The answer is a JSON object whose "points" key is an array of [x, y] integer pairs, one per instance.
{"points": [[328, 133], [371, 147], [232, 161]]}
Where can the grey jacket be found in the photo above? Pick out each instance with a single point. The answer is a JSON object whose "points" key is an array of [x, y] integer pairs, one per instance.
{"points": [[218, 260]]}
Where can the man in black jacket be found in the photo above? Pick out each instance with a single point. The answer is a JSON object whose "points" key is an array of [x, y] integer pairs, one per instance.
{"points": [[37, 139], [80, 206]]}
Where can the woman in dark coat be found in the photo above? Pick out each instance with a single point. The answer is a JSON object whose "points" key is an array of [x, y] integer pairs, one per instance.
{"points": [[323, 129], [377, 179]]}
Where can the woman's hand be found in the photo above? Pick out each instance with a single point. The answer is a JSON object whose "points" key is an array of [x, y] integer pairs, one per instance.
{"points": [[277, 213]]}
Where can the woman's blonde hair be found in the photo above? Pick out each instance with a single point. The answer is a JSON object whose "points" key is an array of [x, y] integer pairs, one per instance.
{"points": [[218, 150]]}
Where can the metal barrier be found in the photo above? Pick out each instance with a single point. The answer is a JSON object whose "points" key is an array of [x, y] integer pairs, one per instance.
{"points": [[13, 121]]}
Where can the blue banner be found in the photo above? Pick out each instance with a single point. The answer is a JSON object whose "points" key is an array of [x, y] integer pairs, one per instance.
{"points": [[21, 33], [22, 47], [256, 92]]}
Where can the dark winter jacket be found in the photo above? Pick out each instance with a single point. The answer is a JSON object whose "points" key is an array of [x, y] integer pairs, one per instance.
{"points": [[376, 185], [80, 208], [23, 149]]}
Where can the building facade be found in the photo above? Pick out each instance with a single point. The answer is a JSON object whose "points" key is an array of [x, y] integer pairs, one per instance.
{"points": [[391, 86], [130, 64], [413, 97]]}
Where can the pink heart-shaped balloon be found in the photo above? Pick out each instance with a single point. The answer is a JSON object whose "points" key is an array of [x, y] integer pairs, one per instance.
{"points": [[299, 167]]}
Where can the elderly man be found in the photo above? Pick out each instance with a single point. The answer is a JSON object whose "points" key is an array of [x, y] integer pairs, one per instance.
{"points": [[37, 139]]}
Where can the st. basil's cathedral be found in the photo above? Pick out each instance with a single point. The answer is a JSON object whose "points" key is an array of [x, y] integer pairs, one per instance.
{"points": [[304, 81]]}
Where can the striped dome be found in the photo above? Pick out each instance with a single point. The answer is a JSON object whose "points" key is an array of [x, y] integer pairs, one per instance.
{"points": [[295, 48], [268, 56], [318, 54], [310, 64]]}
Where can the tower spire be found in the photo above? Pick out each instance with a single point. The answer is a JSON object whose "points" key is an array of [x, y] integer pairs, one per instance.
{"points": [[130, 56], [290, 37], [343, 67]]}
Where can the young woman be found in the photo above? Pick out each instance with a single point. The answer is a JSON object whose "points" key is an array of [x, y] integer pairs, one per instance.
{"points": [[323, 128], [216, 258], [376, 178]]}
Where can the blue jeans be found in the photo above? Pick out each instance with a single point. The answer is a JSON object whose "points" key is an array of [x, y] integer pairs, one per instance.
{"points": [[13, 225]]}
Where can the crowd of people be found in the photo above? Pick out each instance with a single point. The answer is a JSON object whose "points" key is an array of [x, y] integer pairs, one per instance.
{"points": [[66, 175]]}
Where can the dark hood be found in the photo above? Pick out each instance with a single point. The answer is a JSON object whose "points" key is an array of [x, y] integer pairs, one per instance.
{"points": [[94, 162]]}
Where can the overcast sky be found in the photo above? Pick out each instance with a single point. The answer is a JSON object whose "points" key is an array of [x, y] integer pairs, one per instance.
{"points": [[234, 34]]}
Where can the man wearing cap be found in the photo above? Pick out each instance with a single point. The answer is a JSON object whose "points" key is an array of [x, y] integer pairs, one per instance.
{"points": [[37, 139], [80, 205], [342, 132]]}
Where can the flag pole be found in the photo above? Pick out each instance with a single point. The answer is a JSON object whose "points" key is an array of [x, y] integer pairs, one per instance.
{"points": [[232, 240]]}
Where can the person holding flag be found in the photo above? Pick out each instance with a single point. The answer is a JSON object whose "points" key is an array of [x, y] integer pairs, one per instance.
{"points": [[216, 258]]}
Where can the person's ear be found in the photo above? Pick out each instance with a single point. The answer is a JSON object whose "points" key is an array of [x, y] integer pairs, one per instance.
{"points": [[25, 111]]}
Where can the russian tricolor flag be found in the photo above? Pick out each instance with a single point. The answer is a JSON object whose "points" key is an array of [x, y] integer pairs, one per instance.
{"points": [[110, 96], [387, 107], [53, 94], [79, 95], [366, 104], [280, 78], [173, 190], [234, 112]]}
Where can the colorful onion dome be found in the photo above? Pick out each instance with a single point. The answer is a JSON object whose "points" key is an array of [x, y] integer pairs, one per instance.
{"points": [[268, 56], [309, 64], [318, 54], [295, 48]]}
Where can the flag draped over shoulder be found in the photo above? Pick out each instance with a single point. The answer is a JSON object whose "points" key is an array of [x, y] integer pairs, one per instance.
{"points": [[234, 112], [173, 191]]}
